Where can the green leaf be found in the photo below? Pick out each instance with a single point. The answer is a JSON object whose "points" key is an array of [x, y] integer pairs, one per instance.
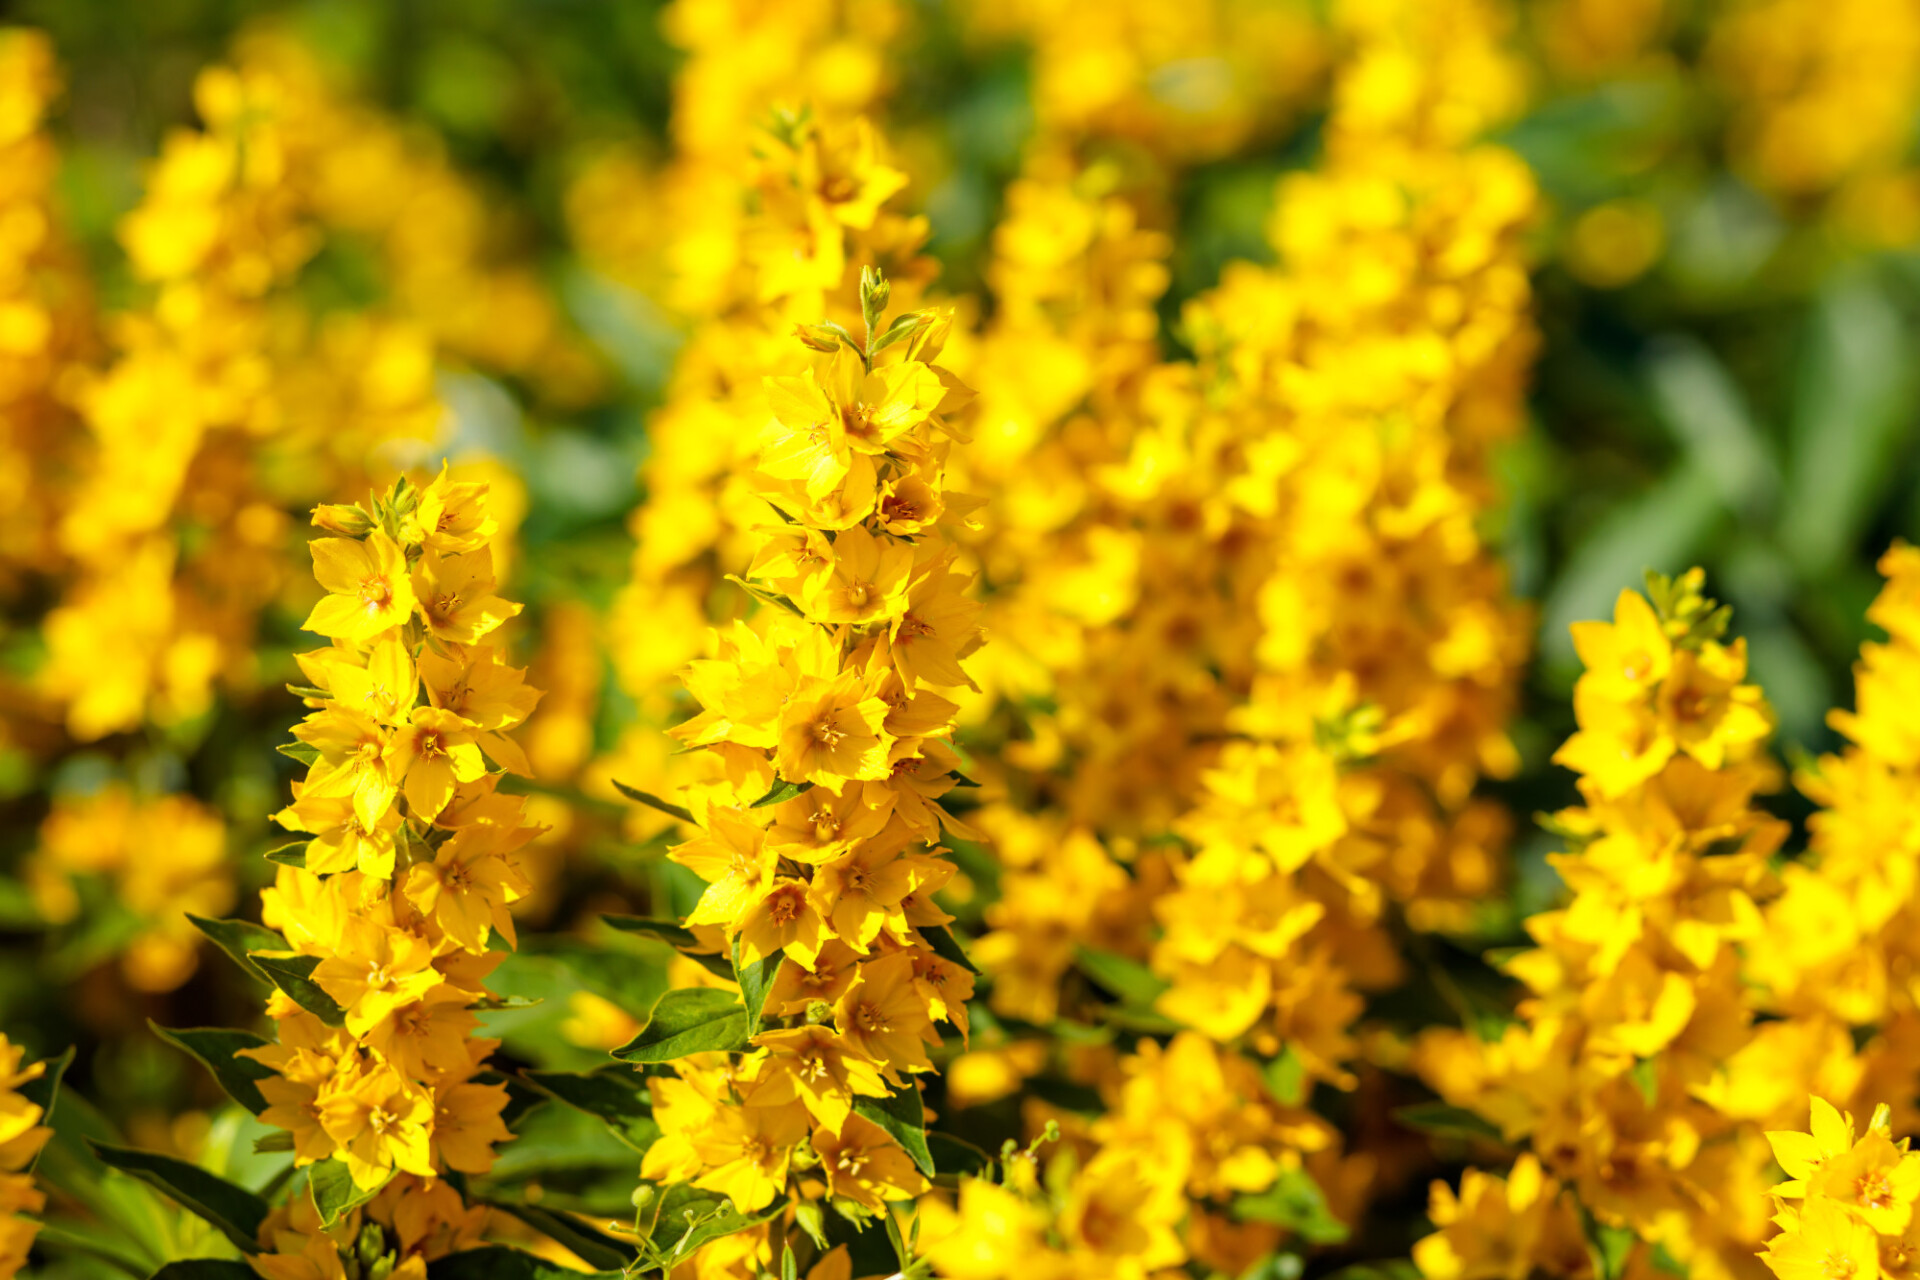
{"points": [[293, 854], [44, 1091], [236, 1211], [615, 1095], [679, 937], [1444, 1118], [689, 1217], [239, 939], [1287, 1076], [1131, 981], [498, 1262], [278, 1140], [686, 1021], [294, 975], [755, 981], [947, 947], [214, 1048], [1645, 1074], [1698, 400], [335, 1194], [1610, 1246], [205, 1269], [594, 1247], [902, 1115], [655, 802], [956, 1156], [1295, 1202], [782, 792], [299, 751]]}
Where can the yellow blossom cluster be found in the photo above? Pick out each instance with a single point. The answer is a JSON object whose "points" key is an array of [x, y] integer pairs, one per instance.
{"points": [[826, 718], [21, 1138], [392, 908], [1847, 1207], [1821, 98]]}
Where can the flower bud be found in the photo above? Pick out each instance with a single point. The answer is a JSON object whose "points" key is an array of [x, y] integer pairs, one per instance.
{"points": [[342, 518]]}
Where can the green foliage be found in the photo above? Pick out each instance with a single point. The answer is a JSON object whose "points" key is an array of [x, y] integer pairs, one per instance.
{"points": [[755, 981], [615, 1095], [235, 1211], [687, 1021], [1295, 1202], [294, 976], [214, 1048], [903, 1116]]}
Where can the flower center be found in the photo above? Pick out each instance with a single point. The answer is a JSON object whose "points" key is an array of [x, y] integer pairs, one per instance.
{"points": [[376, 592]]}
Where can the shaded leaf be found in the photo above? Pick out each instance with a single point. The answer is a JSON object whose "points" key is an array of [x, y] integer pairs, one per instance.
{"points": [[686, 1021], [236, 1211], [655, 802], [679, 937], [594, 1247], [689, 1217], [1295, 1202], [214, 1048], [300, 751], [294, 975], [335, 1193], [44, 1090], [239, 939], [947, 947], [755, 981], [205, 1269], [1442, 1117], [289, 855], [903, 1116], [1131, 981], [615, 1095], [956, 1156]]}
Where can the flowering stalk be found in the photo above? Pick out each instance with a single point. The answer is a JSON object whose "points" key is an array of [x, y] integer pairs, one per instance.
{"points": [[394, 903], [826, 719]]}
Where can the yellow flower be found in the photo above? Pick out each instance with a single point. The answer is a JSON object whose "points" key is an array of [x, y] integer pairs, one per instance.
{"points": [[430, 756], [374, 970], [369, 589], [863, 1163], [732, 857], [381, 1121], [784, 919], [830, 733], [746, 1151], [456, 595], [1826, 1244], [813, 1065], [867, 580], [883, 1016]]}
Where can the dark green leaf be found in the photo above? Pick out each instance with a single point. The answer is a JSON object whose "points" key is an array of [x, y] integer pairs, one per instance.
{"points": [[205, 1269], [902, 1115], [239, 939], [278, 1140], [782, 791], [335, 1194], [294, 975], [947, 947], [497, 1262], [690, 1020], [676, 936], [1287, 1076], [236, 1211], [594, 1247], [655, 802], [1441, 1117], [755, 981], [1131, 981], [1295, 1202], [615, 1095], [214, 1048]]}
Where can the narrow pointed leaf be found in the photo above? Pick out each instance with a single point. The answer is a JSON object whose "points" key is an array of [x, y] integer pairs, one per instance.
{"points": [[902, 1115], [234, 1210], [755, 981], [294, 975], [335, 1194], [947, 947], [655, 802], [44, 1090], [214, 1048], [594, 1247], [498, 1262], [239, 939], [679, 937], [782, 791]]}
